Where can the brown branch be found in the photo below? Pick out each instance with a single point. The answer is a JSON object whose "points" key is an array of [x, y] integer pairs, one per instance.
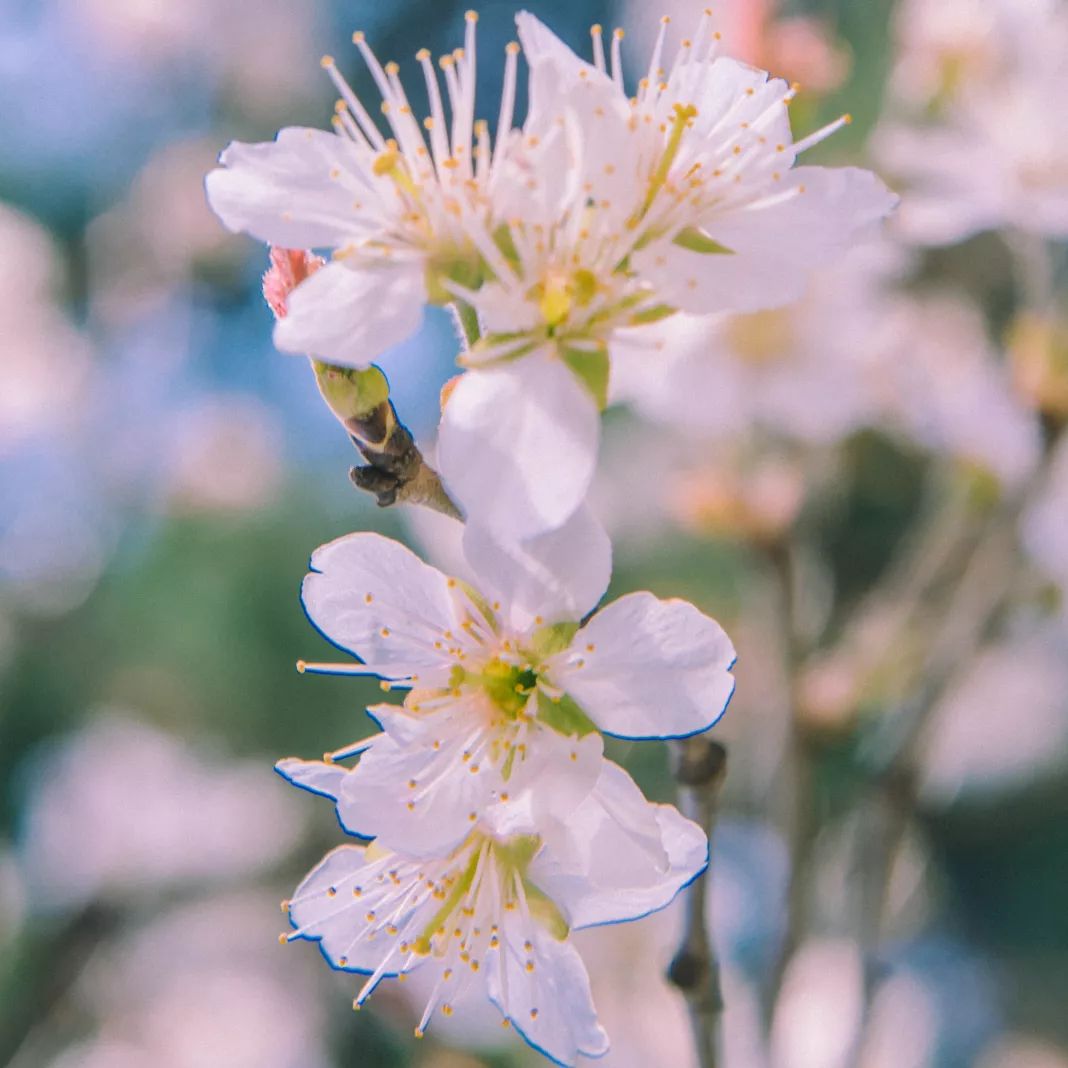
{"points": [[396, 471], [700, 771]]}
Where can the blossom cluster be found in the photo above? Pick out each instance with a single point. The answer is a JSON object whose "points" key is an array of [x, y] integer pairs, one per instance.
{"points": [[496, 824]]}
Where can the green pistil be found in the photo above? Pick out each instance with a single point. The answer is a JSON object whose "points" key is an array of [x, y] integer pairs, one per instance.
{"points": [[508, 686]]}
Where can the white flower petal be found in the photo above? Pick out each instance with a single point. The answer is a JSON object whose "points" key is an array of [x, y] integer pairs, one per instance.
{"points": [[376, 599], [315, 776], [518, 445], [348, 315], [541, 45], [646, 668], [774, 244], [554, 577], [375, 795], [618, 857], [331, 905], [549, 1004], [281, 191]]}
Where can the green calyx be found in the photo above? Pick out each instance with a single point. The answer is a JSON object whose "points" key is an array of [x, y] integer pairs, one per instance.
{"points": [[694, 240], [592, 368], [564, 716], [464, 269], [351, 393]]}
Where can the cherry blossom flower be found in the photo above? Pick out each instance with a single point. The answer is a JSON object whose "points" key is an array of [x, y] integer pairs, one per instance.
{"points": [[603, 213], [508, 691], [494, 914], [399, 213], [619, 212]]}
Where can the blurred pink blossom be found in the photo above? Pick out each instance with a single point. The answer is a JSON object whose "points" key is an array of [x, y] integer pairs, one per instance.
{"points": [[225, 456], [121, 808], [46, 364], [223, 996]]}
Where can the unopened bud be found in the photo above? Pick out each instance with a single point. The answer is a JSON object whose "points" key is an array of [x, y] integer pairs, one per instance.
{"points": [[289, 267], [354, 395]]}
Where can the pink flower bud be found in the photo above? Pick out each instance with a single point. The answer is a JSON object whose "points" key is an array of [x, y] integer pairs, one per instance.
{"points": [[289, 267]]}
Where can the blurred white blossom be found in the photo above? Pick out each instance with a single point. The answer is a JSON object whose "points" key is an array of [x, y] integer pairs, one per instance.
{"points": [[988, 152], [226, 456], [121, 808], [1004, 723], [819, 1015], [201, 986], [942, 385], [46, 362]]}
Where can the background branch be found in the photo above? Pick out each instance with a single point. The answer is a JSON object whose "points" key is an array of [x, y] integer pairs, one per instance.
{"points": [[700, 766]]}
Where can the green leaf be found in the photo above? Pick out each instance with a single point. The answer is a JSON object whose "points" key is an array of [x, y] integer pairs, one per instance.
{"points": [[696, 240], [592, 370]]}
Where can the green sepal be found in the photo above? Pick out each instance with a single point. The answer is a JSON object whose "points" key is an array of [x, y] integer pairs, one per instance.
{"points": [[592, 370], [465, 270], [544, 910], [564, 716], [349, 392], [695, 240], [652, 315], [551, 639], [502, 238]]}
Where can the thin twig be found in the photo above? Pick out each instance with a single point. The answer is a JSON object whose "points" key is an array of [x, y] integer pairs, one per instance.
{"points": [[984, 588], [700, 770], [802, 815]]}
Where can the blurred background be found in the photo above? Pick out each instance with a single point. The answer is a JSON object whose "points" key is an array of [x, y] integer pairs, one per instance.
{"points": [[869, 494]]}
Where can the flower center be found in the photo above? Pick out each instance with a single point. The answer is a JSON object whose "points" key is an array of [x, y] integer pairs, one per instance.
{"points": [[509, 686]]}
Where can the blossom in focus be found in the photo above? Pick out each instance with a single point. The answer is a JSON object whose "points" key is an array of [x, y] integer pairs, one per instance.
{"points": [[493, 915], [602, 213], [401, 214], [684, 197], [508, 692]]}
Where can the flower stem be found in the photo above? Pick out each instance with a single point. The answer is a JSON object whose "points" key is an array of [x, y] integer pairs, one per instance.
{"points": [[700, 770]]}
